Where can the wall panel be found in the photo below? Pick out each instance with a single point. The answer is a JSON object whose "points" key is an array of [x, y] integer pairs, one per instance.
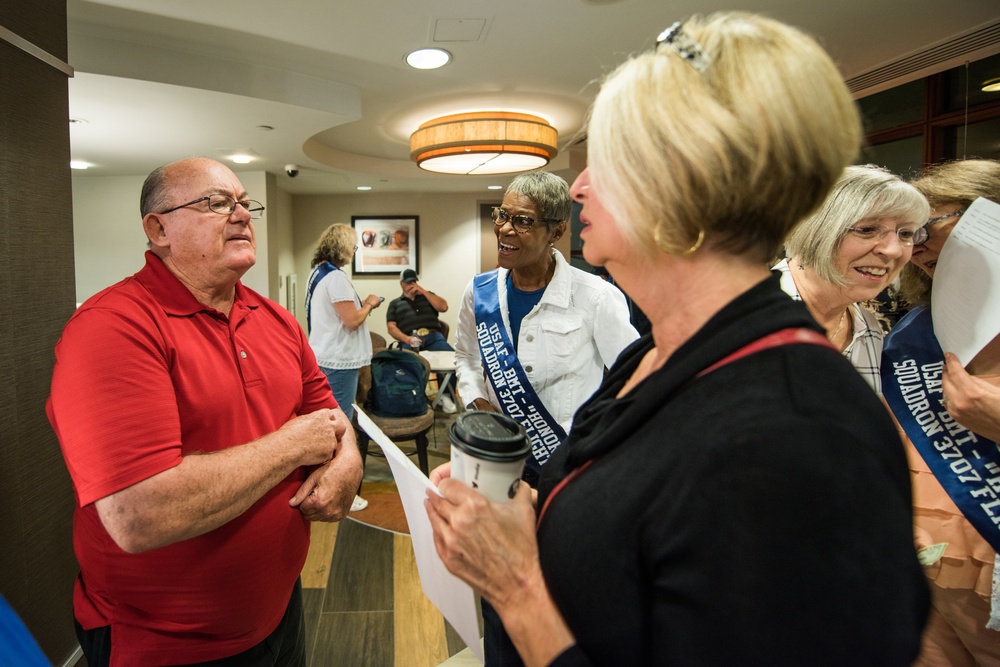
{"points": [[37, 566]]}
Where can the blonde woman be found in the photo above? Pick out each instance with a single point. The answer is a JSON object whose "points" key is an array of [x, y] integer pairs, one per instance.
{"points": [[950, 443], [336, 317], [733, 493]]}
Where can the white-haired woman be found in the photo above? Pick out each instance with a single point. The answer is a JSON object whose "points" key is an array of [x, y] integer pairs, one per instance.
{"points": [[848, 252], [733, 493]]}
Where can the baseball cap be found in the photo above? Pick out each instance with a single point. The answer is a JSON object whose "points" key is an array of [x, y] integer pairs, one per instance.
{"points": [[408, 276]]}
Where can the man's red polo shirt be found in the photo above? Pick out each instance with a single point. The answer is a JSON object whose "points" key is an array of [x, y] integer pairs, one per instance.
{"points": [[145, 374]]}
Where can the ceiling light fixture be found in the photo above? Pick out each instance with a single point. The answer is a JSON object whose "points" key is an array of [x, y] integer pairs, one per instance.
{"points": [[991, 86], [79, 164], [241, 158], [364, 187], [484, 142], [428, 58]]}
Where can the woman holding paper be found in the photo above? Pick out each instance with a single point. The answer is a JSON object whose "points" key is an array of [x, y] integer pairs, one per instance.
{"points": [[733, 493], [843, 255], [956, 484]]}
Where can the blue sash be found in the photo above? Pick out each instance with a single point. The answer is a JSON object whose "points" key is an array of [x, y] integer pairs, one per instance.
{"points": [[317, 275], [518, 399], [966, 464]]}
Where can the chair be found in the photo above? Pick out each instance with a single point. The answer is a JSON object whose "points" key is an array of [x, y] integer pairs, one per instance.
{"points": [[397, 429]]}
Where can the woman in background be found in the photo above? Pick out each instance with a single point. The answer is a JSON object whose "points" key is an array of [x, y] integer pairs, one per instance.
{"points": [[733, 493], [954, 523], [336, 319], [562, 327], [535, 335], [845, 254]]}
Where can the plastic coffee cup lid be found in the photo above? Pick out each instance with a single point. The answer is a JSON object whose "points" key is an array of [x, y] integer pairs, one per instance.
{"points": [[491, 436]]}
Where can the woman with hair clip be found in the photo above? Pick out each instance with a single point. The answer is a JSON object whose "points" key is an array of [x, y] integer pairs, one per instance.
{"points": [[850, 250], [951, 443], [733, 493]]}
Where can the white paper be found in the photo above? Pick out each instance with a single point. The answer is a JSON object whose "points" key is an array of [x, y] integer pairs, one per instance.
{"points": [[966, 289], [452, 596]]}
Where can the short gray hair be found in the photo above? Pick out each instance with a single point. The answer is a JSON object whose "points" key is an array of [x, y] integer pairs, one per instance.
{"points": [[548, 192], [865, 192], [155, 191]]}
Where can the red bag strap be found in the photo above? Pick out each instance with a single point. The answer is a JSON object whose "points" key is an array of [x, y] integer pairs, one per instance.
{"points": [[788, 336], [782, 337]]}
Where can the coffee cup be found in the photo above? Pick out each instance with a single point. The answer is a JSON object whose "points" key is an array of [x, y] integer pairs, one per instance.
{"points": [[488, 450]]}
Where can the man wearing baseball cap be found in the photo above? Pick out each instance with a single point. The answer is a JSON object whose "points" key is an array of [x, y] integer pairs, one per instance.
{"points": [[412, 319]]}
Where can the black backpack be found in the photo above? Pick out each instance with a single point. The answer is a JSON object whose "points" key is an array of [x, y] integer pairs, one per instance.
{"points": [[398, 383]]}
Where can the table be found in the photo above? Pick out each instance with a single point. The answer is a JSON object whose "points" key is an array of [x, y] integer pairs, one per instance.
{"points": [[441, 361]]}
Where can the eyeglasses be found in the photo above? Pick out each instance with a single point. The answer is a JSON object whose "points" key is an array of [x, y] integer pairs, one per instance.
{"points": [[224, 205], [906, 235], [685, 46], [521, 223], [925, 233]]}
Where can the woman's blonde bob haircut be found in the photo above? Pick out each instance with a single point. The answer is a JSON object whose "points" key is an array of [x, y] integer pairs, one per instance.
{"points": [[336, 245], [959, 183], [867, 193], [737, 154]]}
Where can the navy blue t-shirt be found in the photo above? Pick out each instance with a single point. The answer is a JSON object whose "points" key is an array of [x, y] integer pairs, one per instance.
{"points": [[519, 304]]}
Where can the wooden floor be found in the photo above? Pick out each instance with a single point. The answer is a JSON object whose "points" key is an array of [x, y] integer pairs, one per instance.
{"points": [[363, 602], [364, 606]]}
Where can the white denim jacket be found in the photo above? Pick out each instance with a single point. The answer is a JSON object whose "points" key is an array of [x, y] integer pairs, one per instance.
{"points": [[578, 328]]}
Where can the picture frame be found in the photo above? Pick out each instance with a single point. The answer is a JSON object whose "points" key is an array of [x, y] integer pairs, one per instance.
{"points": [[387, 244]]}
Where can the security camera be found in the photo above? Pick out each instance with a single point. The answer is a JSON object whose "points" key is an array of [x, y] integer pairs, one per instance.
{"points": [[292, 170]]}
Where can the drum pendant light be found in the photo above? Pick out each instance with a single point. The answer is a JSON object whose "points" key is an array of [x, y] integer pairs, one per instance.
{"points": [[484, 142]]}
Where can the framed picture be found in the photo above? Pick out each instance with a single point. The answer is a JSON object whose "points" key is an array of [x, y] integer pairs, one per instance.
{"points": [[387, 244]]}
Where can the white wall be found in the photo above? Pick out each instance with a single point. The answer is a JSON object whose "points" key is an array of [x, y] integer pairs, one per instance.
{"points": [[448, 243], [109, 242]]}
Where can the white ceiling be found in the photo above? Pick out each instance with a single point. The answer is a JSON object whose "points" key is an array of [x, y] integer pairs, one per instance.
{"points": [[156, 81]]}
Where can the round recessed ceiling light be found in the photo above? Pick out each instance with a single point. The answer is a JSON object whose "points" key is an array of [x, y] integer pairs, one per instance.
{"points": [[991, 86], [241, 158], [364, 187], [494, 187], [428, 58], [79, 164]]}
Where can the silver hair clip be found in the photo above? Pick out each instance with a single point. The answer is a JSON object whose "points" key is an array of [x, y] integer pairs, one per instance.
{"points": [[686, 48]]}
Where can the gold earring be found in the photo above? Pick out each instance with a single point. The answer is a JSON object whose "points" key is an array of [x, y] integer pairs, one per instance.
{"points": [[670, 249], [697, 244]]}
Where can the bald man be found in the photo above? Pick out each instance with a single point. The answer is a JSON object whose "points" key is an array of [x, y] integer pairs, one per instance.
{"points": [[201, 438]]}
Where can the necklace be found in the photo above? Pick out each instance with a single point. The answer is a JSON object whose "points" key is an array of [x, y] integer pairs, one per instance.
{"points": [[840, 326]]}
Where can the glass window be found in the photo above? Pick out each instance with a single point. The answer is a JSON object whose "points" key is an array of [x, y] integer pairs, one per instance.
{"points": [[983, 140], [896, 106], [903, 157], [976, 75]]}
